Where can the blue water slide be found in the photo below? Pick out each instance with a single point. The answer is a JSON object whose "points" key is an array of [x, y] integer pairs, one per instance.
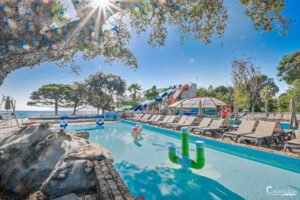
{"points": [[163, 96]]}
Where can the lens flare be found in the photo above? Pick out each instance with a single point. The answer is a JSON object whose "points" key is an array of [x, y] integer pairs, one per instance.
{"points": [[102, 3]]}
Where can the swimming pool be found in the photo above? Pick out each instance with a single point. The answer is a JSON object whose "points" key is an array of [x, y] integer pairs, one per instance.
{"points": [[146, 170]]}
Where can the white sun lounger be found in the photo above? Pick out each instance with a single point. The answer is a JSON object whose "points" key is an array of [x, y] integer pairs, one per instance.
{"points": [[203, 124], [181, 121], [188, 122]]}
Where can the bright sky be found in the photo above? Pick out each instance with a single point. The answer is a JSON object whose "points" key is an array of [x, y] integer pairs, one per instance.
{"points": [[175, 63]]}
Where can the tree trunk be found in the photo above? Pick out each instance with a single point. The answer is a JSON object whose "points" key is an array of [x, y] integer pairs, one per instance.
{"points": [[266, 107], [75, 109], [103, 111], [134, 98], [56, 108], [98, 110]]}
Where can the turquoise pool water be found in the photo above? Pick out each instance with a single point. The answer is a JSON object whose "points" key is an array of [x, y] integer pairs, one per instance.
{"points": [[146, 170]]}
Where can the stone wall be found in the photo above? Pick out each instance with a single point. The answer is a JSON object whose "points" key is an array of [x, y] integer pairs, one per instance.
{"points": [[110, 185]]}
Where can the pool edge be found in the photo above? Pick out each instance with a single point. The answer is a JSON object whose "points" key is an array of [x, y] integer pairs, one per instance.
{"points": [[269, 158]]}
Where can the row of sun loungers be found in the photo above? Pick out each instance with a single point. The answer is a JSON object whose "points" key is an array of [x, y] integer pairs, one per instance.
{"points": [[270, 117], [250, 131]]}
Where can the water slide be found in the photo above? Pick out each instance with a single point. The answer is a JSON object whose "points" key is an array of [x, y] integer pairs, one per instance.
{"points": [[162, 97], [178, 92]]}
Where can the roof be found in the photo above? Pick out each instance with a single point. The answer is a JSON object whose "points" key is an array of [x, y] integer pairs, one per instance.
{"points": [[206, 102]]}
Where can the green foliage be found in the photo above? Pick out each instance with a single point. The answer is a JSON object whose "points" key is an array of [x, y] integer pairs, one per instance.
{"points": [[267, 93], [135, 90], [76, 98], [250, 86], [294, 90], [102, 88], [283, 103], [289, 67], [52, 95], [131, 103], [200, 20], [151, 93], [267, 15], [221, 92]]}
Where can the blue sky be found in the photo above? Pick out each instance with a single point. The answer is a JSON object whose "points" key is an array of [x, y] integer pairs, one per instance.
{"points": [[175, 63]]}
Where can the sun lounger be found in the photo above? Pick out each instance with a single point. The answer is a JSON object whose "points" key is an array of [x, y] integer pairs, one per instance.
{"points": [[215, 127], [156, 118], [149, 119], [292, 144], [165, 120], [203, 124], [171, 120], [246, 127], [264, 132], [137, 117], [181, 121], [262, 116], [278, 116], [145, 117], [188, 122], [298, 117], [286, 117], [271, 116]]}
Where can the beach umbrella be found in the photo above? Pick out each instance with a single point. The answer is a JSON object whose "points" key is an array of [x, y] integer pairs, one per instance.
{"points": [[293, 120], [200, 112], [236, 113], [181, 109], [7, 105]]}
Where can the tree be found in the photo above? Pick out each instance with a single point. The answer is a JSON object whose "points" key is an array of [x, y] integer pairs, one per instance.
{"points": [[245, 80], [202, 92], [50, 95], [221, 92], [76, 98], [267, 93], [152, 93], [225, 93], [283, 102], [289, 68], [294, 89], [60, 39], [249, 83], [135, 90], [102, 88]]}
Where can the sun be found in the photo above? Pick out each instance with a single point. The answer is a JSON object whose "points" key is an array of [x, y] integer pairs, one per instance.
{"points": [[101, 3]]}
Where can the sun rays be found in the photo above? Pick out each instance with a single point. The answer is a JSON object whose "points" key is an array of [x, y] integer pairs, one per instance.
{"points": [[98, 10]]}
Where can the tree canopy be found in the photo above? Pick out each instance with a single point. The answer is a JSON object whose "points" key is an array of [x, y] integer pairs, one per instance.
{"points": [[32, 32], [152, 93], [102, 88], [135, 90], [76, 97], [289, 67], [251, 87], [52, 95]]}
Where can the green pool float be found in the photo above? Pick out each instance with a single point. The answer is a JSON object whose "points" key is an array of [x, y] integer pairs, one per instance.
{"points": [[185, 160]]}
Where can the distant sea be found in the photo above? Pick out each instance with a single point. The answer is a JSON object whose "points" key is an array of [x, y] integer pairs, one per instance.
{"points": [[32, 114]]}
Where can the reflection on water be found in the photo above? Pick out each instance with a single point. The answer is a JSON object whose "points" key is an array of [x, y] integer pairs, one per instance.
{"points": [[147, 170], [170, 183]]}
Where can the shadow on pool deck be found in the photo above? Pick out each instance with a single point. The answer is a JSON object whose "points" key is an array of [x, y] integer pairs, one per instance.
{"points": [[160, 183]]}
